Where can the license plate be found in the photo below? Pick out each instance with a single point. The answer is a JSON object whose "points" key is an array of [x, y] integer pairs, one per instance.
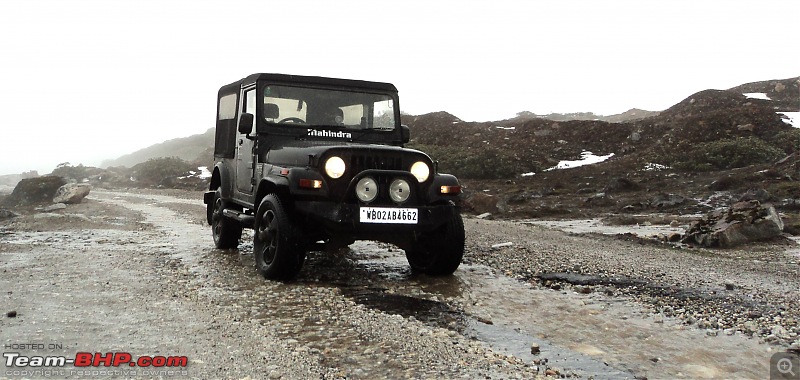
{"points": [[389, 215]]}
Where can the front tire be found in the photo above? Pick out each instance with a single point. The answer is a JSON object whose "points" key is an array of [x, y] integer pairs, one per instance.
{"points": [[277, 241], [226, 231], [438, 253]]}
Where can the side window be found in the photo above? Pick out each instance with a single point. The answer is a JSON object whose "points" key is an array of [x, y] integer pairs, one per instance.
{"points": [[250, 102], [250, 105], [383, 115], [227, 107]]}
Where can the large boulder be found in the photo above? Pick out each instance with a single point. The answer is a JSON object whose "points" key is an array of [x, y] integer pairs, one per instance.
{"points": [[71, 193], [741, 223], [34, 190], [7, 214], [480, 203]]}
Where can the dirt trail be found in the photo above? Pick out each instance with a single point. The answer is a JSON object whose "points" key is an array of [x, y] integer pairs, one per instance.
{"points": [[151, 284]]}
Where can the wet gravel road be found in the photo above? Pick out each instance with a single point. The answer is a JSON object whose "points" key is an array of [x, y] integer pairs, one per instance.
{"points": [[137, 273]]}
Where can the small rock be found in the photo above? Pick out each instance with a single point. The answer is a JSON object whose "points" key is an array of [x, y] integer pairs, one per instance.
{"points": [[584, 289], [551, 372], [535, 349], [779, 331], [502, 245], [754, 314], [729, 285], [53, 207], [484, 215], [486, 321], [655, 359], [12, 314], [674, 237]]}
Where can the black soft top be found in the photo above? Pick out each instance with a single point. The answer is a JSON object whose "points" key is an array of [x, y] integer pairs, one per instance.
{"points": [[301, 79]]}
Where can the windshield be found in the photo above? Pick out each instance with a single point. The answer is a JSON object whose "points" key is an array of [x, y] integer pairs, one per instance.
{"points": [[317, 107]]}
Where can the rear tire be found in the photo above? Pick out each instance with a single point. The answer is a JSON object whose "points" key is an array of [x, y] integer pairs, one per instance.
{"points": [[438, 253], [226, 231], [276, 241]]}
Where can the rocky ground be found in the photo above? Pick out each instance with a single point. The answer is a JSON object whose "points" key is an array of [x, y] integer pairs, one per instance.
{"points": [[136, 272], [584, 272]]}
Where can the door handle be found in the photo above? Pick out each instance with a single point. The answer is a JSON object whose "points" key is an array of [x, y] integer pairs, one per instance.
{"points": [[241, 141]]}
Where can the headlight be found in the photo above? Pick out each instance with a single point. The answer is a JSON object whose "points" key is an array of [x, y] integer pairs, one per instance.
{"points": [[421, 171], [367, 189], [334, 167], [399, 190]]}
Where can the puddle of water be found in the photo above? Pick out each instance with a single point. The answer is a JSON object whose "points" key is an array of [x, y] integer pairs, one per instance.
{"points": [[582, 226], [577, 361], [587, 335], [613, 331]]}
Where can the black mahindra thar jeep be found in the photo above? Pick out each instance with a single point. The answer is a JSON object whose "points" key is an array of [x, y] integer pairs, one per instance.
{"points": [[312, 163]]}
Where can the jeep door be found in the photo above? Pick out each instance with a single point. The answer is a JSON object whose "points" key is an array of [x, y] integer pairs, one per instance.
{"points": [[245, 167]]}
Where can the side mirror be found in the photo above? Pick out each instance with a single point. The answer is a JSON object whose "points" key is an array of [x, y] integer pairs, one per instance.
{"points": [[246, 123], [405, 134]]}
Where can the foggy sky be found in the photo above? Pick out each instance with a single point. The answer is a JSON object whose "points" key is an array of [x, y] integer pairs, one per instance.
{"points": [[83, 81]]}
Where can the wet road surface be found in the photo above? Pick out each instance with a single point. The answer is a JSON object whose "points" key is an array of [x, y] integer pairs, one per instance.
{"points": [[308, 322]]}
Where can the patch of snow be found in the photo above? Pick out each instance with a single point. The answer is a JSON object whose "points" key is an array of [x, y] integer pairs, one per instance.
{"points": [[507, 128], [793, 118], [587, 158], [529, 174], [204, 173], [455, 122], [653, 167], [756, 95]]}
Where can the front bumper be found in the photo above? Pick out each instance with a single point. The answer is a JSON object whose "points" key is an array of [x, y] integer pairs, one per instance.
{"points": [[345, 218]]}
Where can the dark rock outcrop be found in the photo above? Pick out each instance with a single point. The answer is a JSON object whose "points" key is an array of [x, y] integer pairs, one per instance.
{"points": [[35, 190], [741, 223]]}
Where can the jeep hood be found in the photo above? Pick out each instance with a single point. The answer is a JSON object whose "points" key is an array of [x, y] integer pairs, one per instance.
{"points": [[297, 153]]}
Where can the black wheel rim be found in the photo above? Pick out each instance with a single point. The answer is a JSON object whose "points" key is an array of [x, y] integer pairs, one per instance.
{"points": [[267, 233]]}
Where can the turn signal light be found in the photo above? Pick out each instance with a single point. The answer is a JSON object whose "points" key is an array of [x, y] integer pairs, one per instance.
{"points": [[450, 190], [310, 183]]}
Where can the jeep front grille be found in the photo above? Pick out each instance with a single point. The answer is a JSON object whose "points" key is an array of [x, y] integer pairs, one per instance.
{"points": [[359, 163]]}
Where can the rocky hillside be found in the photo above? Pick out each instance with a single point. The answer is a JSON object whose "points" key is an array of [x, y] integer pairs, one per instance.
{"points": [[709, 150], [679, 159], [196, 149]]}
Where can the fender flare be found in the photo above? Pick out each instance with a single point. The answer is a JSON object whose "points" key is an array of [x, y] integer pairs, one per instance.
{"points": [[271, 185], [222, 179]]}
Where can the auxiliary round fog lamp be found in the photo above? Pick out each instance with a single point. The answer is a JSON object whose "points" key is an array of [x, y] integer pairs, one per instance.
{"points": [[366, 189], [399, 190]]}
